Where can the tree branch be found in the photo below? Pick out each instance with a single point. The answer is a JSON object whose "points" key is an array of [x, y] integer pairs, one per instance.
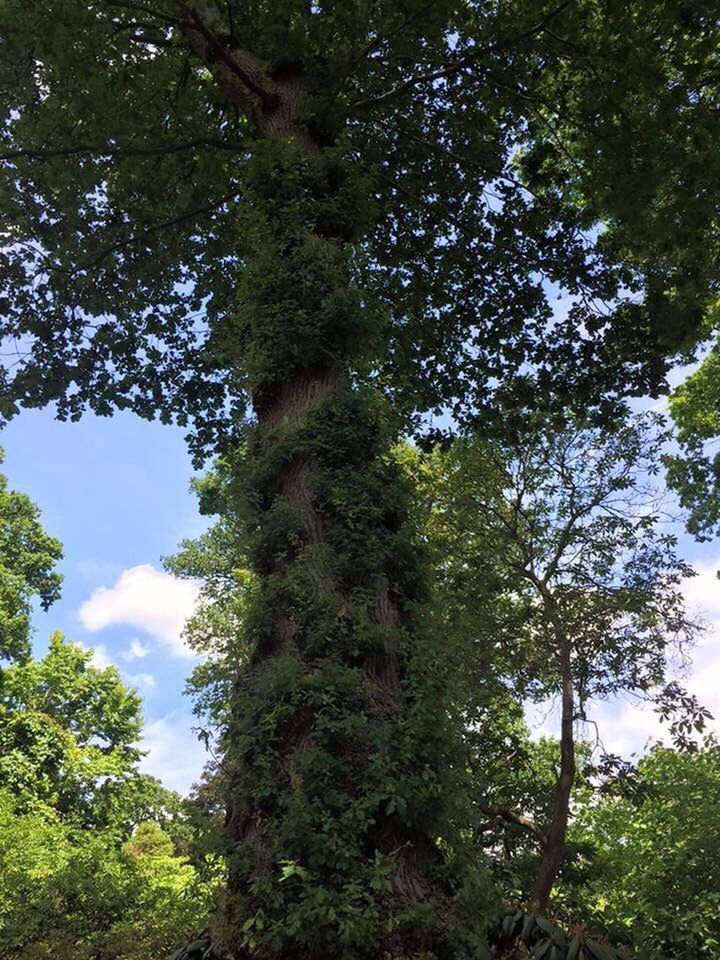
{"points": [[383, 38], [101, 254], [442, 150], [454, 66], [162, 15], [230, 58], [42, 153], [511, 816]]}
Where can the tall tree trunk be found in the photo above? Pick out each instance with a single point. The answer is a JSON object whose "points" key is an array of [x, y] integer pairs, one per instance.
{"points": [[335, 752], [555, 835]]}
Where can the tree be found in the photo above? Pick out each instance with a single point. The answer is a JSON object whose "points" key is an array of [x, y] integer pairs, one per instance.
{"points": [[695, 470], [77, 894], [653, 876], [96, 859], [68, 733], [227, 164], [28, 556], [558, 571]]}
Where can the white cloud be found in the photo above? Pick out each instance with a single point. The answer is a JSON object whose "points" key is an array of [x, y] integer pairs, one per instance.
{"points": [[142, 680], [542, 718], [175, 756], [135, 651], [625, 728], [147, 599], [100, 659], [702, 596]]}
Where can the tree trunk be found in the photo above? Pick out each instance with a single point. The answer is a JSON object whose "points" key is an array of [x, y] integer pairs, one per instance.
{"points": [[334, 757], [554, 846]]}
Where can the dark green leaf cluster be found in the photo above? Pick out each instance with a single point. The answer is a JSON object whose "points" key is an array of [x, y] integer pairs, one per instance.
{"points": [[500, 150], [544, 940]]}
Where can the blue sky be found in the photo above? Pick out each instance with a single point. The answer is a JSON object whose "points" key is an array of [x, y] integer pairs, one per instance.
{"points": [[116, 492]]}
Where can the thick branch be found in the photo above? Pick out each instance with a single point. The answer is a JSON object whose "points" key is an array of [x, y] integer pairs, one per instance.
{"points": [[511, 816], [245, 67]]}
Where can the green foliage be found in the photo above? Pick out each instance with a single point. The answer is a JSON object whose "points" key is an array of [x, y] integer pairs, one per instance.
{"points": [[570, 517], [555, 574], [76, 894], [218, 559], [351, 912], [654, 876], [306, 210], [579, 508], [695, 473], [612, 196], [518, 934], [27, 570], [68, 731], [96, 860]]}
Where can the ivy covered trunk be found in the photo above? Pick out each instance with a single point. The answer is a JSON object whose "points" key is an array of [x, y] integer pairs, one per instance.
{"points": [[334, 757]]}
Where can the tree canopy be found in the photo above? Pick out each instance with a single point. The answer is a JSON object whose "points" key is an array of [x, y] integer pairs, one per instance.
{"points": [[694, 471], [498, 149], [654, 870], [68, 730]]}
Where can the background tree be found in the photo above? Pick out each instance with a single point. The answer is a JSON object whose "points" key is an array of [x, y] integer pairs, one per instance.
{"points": [[346, 190], [28, 556], [71, 893], [218, 560], [68, 731], [653, 878], [694, 471], [96, 859], [559, 572]]}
